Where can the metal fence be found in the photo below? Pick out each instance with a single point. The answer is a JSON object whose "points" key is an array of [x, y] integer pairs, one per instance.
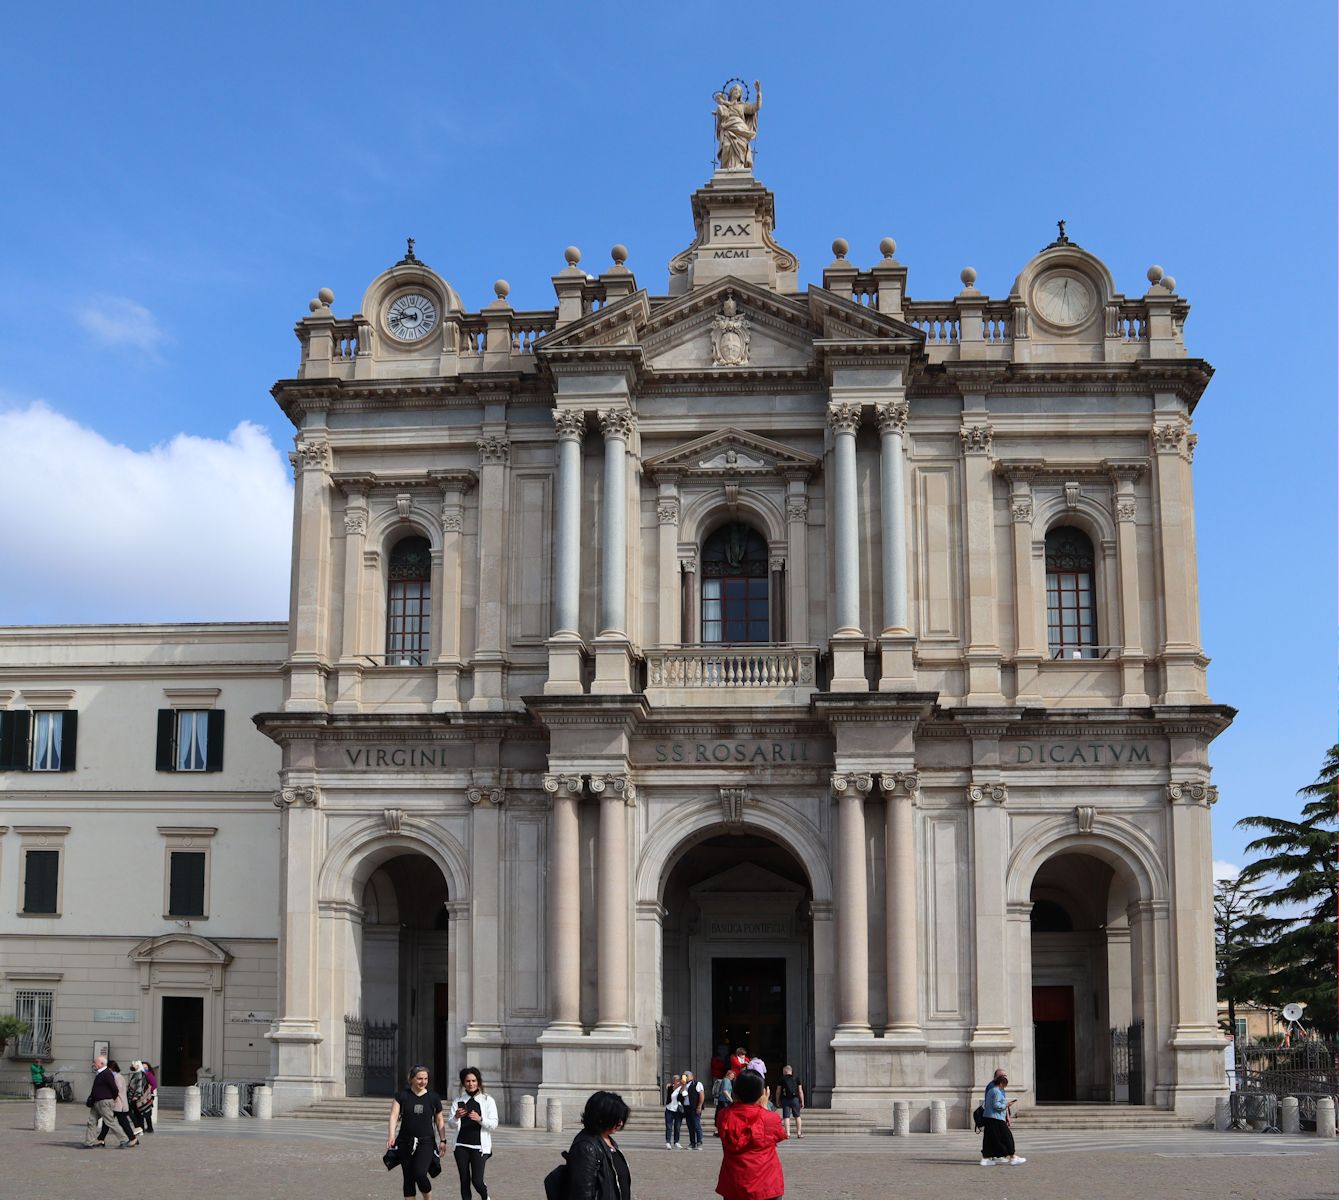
{"points": [[1307, 1069], [211, 1096], [369, 1057], [1127, 1064]]}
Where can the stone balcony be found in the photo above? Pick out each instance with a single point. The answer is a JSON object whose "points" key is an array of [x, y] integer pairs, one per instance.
{"points": [[724, 676]]}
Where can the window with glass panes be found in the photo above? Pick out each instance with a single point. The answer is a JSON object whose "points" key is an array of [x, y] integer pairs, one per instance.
{"points": [[735, 601], [409, 602], [34, 1008], [47, 740], [1071, 611]]}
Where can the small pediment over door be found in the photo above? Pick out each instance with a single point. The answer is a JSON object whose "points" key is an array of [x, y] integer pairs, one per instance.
{"points": [[731, 453]]}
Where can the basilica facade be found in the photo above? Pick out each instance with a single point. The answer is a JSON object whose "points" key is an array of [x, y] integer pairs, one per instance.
{"points": [[711, 660]]}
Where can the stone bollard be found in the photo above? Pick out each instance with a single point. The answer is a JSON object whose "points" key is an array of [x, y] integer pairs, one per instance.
{"points": [[527, 1112], [938, 1117], [1290, 1118], [262, 1103], [1325, 1117], [44, 1110], [190, 1108], [901, 1118], [554, 1116], [231, 1106], [1222, 1114]]}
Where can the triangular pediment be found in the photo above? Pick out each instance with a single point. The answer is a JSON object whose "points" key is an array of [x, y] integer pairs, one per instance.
{"points": [[616, 324], [843, 320], [777, 330], [731, 452]]}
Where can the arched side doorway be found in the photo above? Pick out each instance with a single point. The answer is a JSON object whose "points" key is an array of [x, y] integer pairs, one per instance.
{"points": [[737, 960], [405, 973], [1087, 1006]]}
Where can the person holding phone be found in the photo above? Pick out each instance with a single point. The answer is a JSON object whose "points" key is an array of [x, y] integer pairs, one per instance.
{"points": [[473, 1117], [997, 1143]]}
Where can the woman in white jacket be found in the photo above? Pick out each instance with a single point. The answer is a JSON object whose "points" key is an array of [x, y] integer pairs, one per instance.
{"points": [[473, 1117]]}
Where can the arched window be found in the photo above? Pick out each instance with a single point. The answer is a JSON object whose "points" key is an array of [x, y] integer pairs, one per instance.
{"points": [[734, 586], [1071, 608], [409, 603]]}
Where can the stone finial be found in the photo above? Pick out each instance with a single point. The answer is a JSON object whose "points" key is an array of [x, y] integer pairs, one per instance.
{"points": [[326, 297], [320, 306], [619, 254], [1155, 274], [888, 247], [572, 255], [968, 277], [840, 246], [313, 305], [502, 289], [1169, 283]]}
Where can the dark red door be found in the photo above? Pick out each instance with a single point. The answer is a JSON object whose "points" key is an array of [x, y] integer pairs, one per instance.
{"points": [[1053, 1042]]}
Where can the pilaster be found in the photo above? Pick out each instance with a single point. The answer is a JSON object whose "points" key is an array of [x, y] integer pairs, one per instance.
{"points": [[489, 660], [977, 437], [309, 607], [446, 600]]}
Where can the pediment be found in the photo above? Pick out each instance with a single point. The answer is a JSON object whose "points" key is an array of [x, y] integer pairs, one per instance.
{"points": [[617, 324], [731, 452], [180, 948], [843, 320], [746, 878], [778, 332]]}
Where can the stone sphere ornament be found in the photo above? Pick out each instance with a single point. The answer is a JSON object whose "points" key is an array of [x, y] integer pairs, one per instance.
{"points": [[572, 255], [888, 247], [839, 247], [1155, 274], [326, 296], [619, 254], [1169, 282], [502, 288], [968, 277]]}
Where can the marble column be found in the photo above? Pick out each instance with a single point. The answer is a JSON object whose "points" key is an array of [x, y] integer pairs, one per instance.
{"points": [[896, 645], [850, 790], [564, 902], [848, 638], [613, 649], [613, 986], [901, 920], [571, 424]]}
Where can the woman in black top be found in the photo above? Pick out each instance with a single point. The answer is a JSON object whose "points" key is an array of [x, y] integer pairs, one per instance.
{"points": [[596, 1168], [416, 1111]]}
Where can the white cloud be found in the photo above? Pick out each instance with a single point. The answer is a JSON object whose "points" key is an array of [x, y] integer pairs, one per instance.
{"points": [[194, 529], [117, 321], [1225, 870]]}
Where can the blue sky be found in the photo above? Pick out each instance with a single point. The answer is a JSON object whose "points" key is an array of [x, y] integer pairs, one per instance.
{"points": [[180, 179]]}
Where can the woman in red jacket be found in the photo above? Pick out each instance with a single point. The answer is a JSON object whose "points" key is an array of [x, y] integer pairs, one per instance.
{"points": [[750, 1165]]}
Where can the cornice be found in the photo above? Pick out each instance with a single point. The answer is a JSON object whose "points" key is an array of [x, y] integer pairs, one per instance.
{"points": [[408, 727], [1185, 377]]}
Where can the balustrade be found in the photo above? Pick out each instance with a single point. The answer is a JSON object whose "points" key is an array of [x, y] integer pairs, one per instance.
{"points": [[939, 322], [527, 328], [344, 341], [1128, 322], [764, 666]]}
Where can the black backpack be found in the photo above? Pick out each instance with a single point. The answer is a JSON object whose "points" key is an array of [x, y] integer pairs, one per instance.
{"points": [[979, 1117], [555, 1182]]}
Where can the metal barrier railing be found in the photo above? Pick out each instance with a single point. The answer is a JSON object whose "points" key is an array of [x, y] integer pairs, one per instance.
{"points": [[211, 1096]]}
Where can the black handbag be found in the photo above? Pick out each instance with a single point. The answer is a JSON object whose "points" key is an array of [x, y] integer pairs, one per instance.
{"points": [[555, 1182], [391, 1158], [435, 1167]]}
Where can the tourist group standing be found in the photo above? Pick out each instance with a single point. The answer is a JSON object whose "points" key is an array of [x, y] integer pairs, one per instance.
{"points": [[685, 1098], [120, 1104]]}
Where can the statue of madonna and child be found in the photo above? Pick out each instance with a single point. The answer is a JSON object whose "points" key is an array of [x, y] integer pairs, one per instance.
{"points": [[736, 125]]}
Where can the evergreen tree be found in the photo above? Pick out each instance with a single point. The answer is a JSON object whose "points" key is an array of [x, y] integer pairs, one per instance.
{"points": [[1237, 934], [1298, 897]]}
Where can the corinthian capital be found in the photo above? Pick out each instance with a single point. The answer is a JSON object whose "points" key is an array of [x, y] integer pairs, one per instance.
{"points": [[619, 787], [616, 423], [1168, 437], [312, 456], [892, 417], [493, 449], [569, 422], [844, 418], [977, 439], [852, 781]]}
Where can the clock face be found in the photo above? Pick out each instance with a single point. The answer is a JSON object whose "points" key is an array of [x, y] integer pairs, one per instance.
{"points": [[411, 316], [1063, 299]]}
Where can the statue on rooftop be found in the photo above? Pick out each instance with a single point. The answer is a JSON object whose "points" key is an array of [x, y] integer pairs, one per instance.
{"points": [[736, 125]]}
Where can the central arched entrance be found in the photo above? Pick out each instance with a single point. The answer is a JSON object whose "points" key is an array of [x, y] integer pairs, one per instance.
{"points": [[737, 956], [405, 975]]}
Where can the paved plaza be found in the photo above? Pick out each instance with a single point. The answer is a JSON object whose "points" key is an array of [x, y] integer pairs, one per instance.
{"points": [[341, 1161]]}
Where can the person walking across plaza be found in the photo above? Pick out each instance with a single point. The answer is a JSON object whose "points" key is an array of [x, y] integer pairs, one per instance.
{"points": [[673, 1113], [140, 1089], [596, 1168], [997, 1143], [789, 1098], [102, 1106], [750, 1165], [725, 1096], [416, 1130], [474, 1118], [694, 1100]]}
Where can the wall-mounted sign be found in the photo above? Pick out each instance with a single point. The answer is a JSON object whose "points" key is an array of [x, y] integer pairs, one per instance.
{"points": [[128, 1016], [248, 1017]]}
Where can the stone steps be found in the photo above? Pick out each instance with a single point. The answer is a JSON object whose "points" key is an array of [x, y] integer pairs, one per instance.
{"points": [[1063, 1117]]}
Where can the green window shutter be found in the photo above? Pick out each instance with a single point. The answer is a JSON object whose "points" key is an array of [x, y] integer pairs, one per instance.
{"points": [[14, 730], [214, 741], [69, 736], [41, 874], [186, 886], [167, 729]]}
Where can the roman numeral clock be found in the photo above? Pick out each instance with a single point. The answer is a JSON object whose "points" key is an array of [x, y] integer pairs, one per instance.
{"points": [[411, 316]]}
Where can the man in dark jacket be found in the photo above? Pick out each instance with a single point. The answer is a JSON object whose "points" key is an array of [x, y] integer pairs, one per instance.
{"points": [[102, 1105]]}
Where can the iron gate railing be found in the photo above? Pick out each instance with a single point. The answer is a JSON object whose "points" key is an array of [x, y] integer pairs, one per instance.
{"points": [[1127, 1064], [1307, 1069], [369, 1057]]}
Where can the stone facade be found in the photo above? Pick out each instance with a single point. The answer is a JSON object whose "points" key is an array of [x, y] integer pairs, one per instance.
{"points": [[814, 666]]}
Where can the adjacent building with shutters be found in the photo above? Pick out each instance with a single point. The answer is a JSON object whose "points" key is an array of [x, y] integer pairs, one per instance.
{"points": [[709, 661]]}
